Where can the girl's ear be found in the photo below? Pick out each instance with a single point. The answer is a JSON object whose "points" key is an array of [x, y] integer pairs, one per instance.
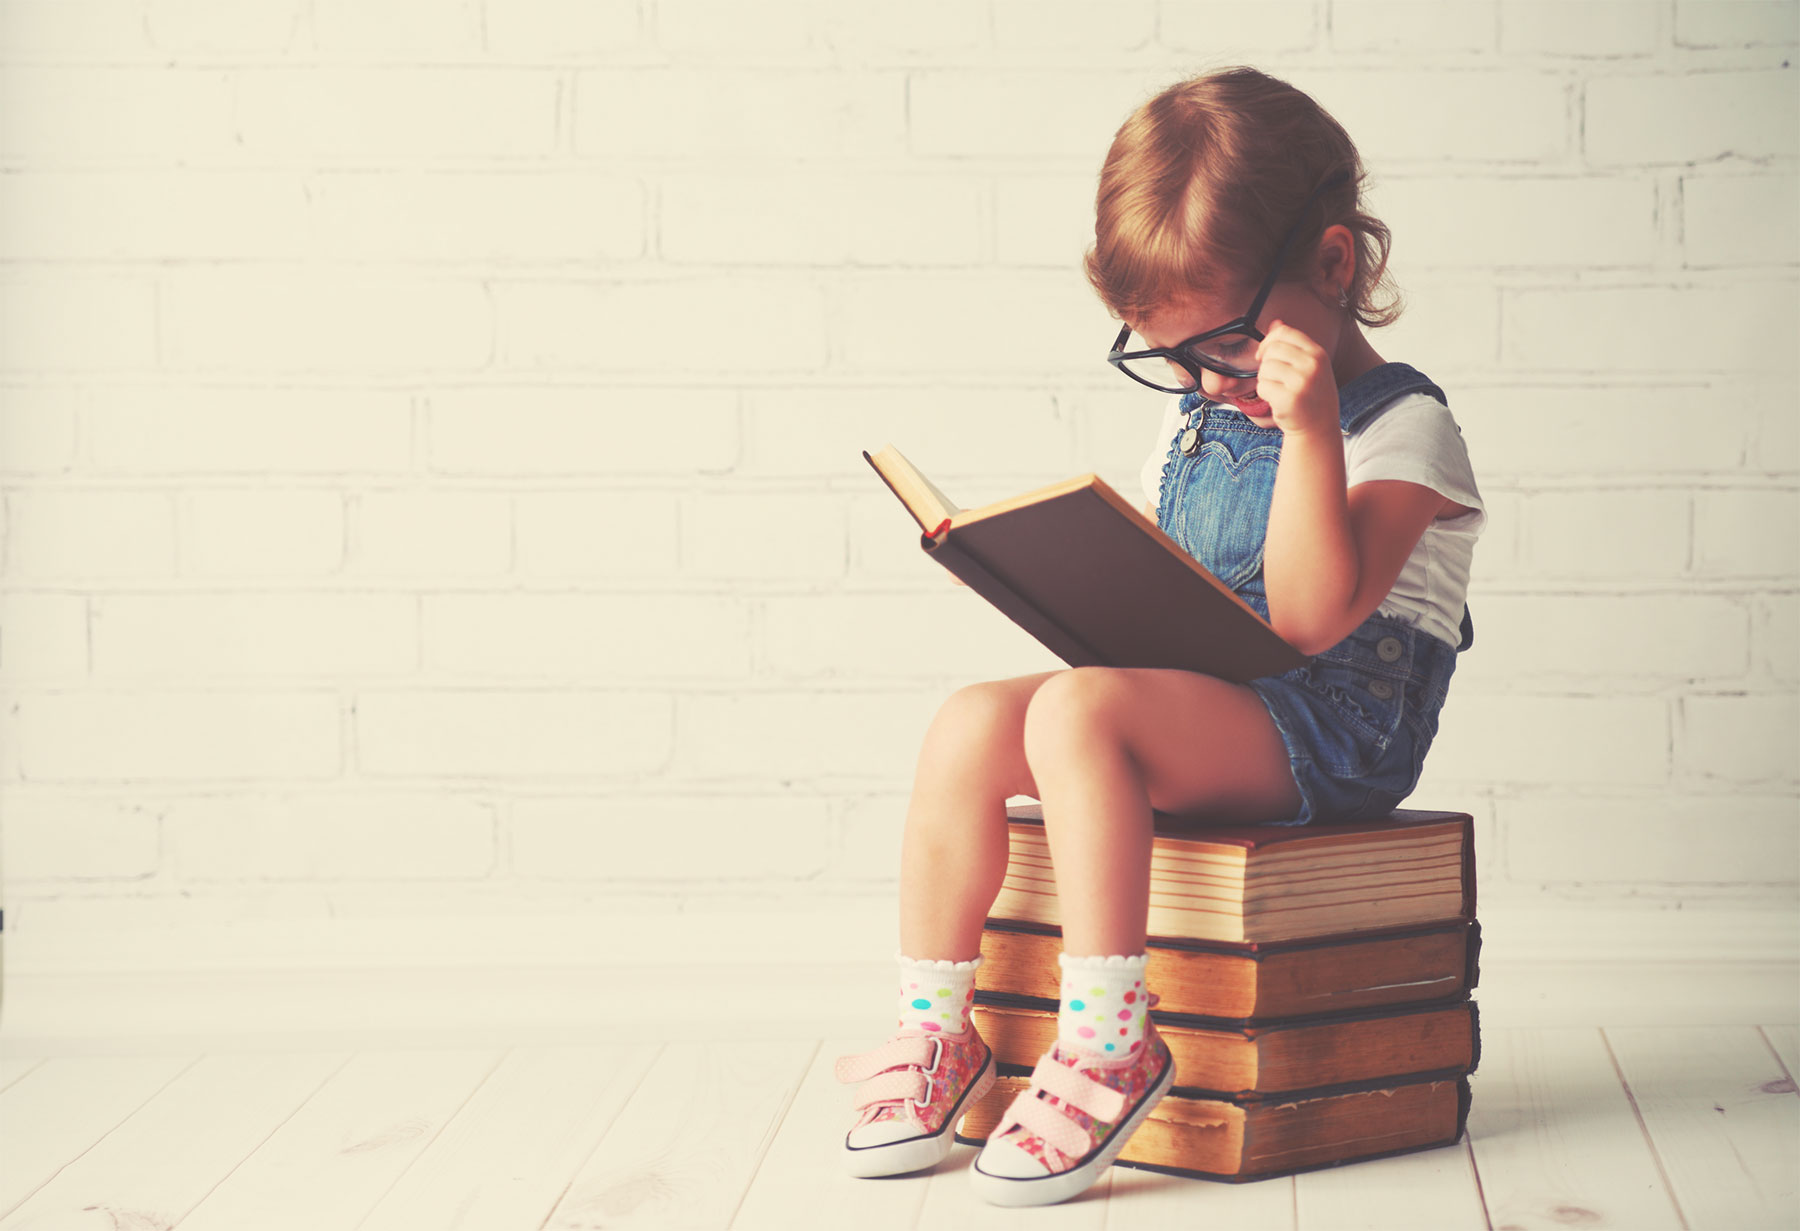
{"points": [[1336, 260]]}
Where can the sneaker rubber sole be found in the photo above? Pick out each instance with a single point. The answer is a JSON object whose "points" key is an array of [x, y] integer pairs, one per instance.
{"points": [[925, 1150]]}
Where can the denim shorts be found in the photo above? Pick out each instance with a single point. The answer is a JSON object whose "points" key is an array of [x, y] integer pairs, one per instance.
{"points": [[1358, 719]]}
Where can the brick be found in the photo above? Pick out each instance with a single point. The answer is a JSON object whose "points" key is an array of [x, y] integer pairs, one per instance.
{"points": [[76, 323], [1660, 839], [1044, 220], [738, 115], [735, 837], [788, 30], [884, 546], [73, 534], [1613, 533], [763, 536], [1073, 25], [560, 29], [1011, 114], [1512, 429], [176, 736], [58, 835], [935, 633], [188, 430], [1691, 117], [1775, 436], [227, 636], [1748, 327], [600, 536], [728, 217], [1450, 113], [922, 32], [587, 637], [1548, 739], [801, 734], [54, 30], [1413, 26], [400, 31], [1747, 534], [1775, 637], [38, 430], [1740, 220], [499, 216], [949, 432], [267, 533], [1634, 642], [508, 733], [386, 836], [425, 534], [43, 636], [349, 114], [1272, 25], [80, 114], [700, 324], [1022, 324], [1601, 29], [194, 27], [1444, 325], [257, 321], [1736, 23], [527, 431], [1740, 738], [187, 215], [1483, 222], [870, 832]]}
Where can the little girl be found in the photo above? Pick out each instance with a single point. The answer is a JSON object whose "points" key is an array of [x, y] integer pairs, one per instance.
{"points": [[1326, 486]]}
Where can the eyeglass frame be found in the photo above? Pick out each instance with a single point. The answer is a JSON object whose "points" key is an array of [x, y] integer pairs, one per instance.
{"points": [[1245, 324]]}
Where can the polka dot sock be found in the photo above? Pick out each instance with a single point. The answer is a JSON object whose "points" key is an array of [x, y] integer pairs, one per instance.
{"points": [[1103, 1002], [935, 995]]}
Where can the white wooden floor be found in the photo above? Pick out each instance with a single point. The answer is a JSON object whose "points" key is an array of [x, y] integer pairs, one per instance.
{"points": [[1639, 1128]]}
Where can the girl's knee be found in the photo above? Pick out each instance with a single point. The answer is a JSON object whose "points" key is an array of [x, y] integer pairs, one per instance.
{"points": [[1075, 708]]}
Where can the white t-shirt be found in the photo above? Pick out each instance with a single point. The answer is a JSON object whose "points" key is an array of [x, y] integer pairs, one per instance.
{"points": [[1415, 439]]}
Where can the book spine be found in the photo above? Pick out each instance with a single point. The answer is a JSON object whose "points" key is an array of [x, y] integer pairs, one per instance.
{"points": [[1058, 640]]}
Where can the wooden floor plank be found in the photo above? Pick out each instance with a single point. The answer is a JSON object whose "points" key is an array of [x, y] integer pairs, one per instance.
{"points": [[1432, 1190], [1143, 1199], [328, 1165], [1556, 1141], [57, 1109], [1722, 1117], [1785, 1040], [802, 1184], [504, 1160], [14, 1067], [186, 1124], [687, 1145]]}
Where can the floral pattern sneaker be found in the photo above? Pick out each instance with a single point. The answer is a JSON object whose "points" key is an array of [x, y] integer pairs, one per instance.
{"points": [[914, 1088], [1062, 1131]]}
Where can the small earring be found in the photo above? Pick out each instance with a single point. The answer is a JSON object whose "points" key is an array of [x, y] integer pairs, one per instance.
{"points": [[1343, 299]]}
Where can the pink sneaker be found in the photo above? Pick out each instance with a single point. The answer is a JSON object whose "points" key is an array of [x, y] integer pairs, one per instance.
{"points": [[1061, 1132], [915, 1087]]}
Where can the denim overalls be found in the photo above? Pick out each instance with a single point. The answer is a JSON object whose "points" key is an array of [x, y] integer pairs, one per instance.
{"points": [[1357, 718]]}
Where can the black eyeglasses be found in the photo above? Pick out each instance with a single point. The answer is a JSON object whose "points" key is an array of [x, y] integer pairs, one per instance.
{"points": [[1229, 350]]}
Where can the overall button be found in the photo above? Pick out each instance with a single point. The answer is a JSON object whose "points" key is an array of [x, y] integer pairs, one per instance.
{"points": [[1381, 689], [1388, 649]]}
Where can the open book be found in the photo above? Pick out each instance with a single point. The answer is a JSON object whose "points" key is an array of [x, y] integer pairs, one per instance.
{"points": [[1092, 578]]}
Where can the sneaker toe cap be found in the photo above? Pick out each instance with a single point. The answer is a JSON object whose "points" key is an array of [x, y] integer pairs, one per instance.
{"points": [[1003, 1156]]}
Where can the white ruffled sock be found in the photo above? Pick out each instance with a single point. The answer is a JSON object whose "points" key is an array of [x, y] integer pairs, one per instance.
{"points": [[935, 995], [1103, 1004]]}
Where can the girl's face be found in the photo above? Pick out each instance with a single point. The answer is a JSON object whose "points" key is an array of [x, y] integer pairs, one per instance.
{"points": [[1290, 302]]}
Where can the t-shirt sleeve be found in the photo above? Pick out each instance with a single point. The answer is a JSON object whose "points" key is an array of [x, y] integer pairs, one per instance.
{"points": [[1417, 440], [1150, 473]]}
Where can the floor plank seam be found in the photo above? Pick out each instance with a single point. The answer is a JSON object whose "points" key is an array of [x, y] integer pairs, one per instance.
{"points": [[1662, 1172]]}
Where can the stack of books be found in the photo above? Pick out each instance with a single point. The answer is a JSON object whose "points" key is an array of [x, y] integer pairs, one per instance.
{"points": [[1314, 989]]}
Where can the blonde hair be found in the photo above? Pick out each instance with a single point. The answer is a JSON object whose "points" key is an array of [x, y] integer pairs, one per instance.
{"points": [[1202, 182]]}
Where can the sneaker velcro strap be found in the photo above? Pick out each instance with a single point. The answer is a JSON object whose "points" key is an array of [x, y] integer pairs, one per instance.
{"points": [[892, 1085], [895, 1053], [1034, 1115], [1078, 1090]]}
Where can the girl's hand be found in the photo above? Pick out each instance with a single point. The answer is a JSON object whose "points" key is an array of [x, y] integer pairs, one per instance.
{"points": [[1294, 378]]}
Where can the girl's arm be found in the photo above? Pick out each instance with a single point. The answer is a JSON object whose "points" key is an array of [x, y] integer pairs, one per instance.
{"points": [[1330, 555]]}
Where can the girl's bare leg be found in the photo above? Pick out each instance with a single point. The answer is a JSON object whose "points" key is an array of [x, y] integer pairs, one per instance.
{"points": [[953, 855], [1104, 745]]}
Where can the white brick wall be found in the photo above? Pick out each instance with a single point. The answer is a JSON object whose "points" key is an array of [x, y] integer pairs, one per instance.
{"points": [[429, 432]]}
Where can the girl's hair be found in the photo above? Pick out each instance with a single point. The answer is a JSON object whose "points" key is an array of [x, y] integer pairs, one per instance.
{"points": [[1202, 182]]}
